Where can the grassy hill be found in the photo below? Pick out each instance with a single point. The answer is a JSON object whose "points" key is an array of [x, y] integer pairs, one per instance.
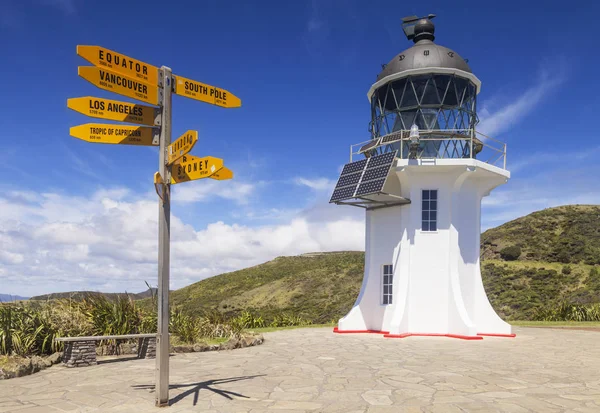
{"points": [[79, 295], [566, 234], [316, 287], [558, 249]]}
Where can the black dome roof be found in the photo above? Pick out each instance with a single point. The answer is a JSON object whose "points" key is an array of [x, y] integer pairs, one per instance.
{"points": [[425, 53]]}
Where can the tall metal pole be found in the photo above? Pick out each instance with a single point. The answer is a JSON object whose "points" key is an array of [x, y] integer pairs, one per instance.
{"points": [[164, 231]]}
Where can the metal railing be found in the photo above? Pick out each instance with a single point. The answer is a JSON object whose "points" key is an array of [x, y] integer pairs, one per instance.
{"points": [[437, 144]]}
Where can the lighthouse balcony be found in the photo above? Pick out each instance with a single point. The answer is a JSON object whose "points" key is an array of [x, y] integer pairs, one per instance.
{"points": [[435, 144]]}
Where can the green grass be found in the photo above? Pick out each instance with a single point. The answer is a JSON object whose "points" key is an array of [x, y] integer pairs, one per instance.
{"points": [[271, 329], [217, 340], [526, 323], [10, 362], [318, 288], [566, 234], [520, 290]]}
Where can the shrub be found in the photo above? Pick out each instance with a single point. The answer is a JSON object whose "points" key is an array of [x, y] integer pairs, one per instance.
{"points": [[247, 320], [285, 320], [564, 257], [594, 275], [566, 269], [511, 253], [570, 312], [25, 330], [111, 317], [186, 328]]}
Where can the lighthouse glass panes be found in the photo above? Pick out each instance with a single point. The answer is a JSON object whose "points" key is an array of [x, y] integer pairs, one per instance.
{"points": [[387, 282], [439, 102], [429, 210]]}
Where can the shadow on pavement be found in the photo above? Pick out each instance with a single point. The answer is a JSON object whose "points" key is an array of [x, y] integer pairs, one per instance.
{"points": [[196, 387], [117, 359]]}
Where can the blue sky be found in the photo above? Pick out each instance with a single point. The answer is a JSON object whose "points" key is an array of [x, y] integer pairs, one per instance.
{"points": [[75, 215]]}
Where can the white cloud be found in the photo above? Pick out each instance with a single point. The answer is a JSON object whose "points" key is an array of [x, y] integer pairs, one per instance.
{"points": [[315, 23], [318, 184], [7, 257], [494, 121], [552, 158], [238, 192], [108, 241], [554, 184], [66, 6]]}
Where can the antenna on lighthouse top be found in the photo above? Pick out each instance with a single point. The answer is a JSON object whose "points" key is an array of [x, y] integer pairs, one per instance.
{"points": [[409, 23]]}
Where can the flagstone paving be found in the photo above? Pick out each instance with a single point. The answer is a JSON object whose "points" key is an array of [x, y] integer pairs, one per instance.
{"points": [[314, 370]]}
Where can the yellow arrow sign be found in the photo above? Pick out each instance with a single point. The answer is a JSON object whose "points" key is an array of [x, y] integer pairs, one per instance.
{"points": [[181, 146], [113, 110], [206, 93], [118, 83], [222, 174], [117, 62], [190, 168], [116, 134], [159, 185]]}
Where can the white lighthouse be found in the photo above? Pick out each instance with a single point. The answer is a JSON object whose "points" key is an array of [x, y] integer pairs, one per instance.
{"points": [[421, 178]]}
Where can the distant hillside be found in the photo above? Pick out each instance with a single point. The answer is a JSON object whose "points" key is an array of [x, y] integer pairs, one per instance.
{"points": [[318, 287], [567, 234], [555, 257], [78, 295], [323, 286], [6, 298]]}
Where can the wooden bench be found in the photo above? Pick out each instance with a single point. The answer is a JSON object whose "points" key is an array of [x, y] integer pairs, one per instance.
{"points": [[81, 351]]}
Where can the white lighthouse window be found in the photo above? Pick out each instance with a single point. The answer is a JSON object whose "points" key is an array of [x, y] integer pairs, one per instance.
{"points": [[388, 280], [429, 210]]}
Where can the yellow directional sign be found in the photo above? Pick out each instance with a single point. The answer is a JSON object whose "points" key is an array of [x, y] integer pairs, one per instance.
{"points": [[159, 185], [117, 62], [118, 83], [222, 174], [181, 146], [113, 110], [206, 93], [116, 134], [190, 168]]}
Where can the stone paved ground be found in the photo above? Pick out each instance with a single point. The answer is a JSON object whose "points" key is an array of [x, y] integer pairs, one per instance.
{"points": [[542, 370]]}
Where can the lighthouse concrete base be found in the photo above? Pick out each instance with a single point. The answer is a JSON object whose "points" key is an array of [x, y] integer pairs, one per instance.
{"points": [[436, 288]]}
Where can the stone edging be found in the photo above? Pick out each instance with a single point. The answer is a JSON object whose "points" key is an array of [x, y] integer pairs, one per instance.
{"points": [[37, 363], [232, 343], [29, 366]]}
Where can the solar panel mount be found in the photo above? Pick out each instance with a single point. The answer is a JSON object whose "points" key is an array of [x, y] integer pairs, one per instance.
{"points": [[364, 177]]}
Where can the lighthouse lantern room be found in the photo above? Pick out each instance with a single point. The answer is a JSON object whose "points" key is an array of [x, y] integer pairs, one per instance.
{"points": [[421, 178]]}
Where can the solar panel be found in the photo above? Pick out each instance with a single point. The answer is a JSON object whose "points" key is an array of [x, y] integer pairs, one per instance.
{"points": [[368, 146], [380, 160], [343, 193], [350, 179], [363, 177], [376, 173], [354, 166], [370, 187], [392, 137]]}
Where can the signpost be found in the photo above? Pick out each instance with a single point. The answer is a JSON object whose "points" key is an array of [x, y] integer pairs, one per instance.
{"points": [[182, 146], [115, 110], [164, 245], [206, 93], [117, 62], [190, 168], [119, 83], [116, 134], [130, 77], [222, 174]]}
